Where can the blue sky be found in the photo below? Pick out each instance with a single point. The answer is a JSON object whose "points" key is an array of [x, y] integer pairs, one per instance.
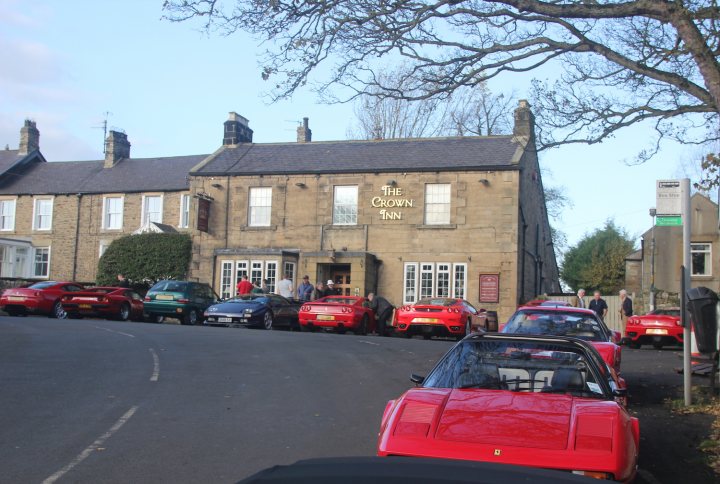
{"points": [[170, 87]]}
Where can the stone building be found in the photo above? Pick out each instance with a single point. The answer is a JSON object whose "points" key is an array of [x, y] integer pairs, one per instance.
{"points": [[705, 237], [411, 218], [56, 219]]}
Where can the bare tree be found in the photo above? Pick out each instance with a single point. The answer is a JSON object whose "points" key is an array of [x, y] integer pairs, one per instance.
{"points": [[481, 112], [620, 62]]}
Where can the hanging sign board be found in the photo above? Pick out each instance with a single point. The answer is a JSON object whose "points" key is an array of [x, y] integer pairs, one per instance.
{"points": [[668, 198]]}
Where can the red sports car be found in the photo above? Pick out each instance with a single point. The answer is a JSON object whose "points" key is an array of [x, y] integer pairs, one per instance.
{"points": [[105, 302], [568, 321], [38, 298], [659, 327], [339, 313], [439, 316], [546, 402]]}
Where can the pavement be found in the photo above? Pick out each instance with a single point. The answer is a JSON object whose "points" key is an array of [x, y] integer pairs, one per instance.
{"points": [[103, 401]]}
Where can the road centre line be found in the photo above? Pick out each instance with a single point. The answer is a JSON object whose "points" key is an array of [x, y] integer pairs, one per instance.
{"points": [[92, 448], [117, 332], [368, 342], [156, 366]]}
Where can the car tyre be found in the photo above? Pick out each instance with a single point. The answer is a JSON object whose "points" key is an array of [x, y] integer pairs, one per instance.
{"points": [[363, 327], [633, 345], [191, 318], [124, 313], [13, 312], [156, 318], [58, 311], [468, 327], [268, 320]]}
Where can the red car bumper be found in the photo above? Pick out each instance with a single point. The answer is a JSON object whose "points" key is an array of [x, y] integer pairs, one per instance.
{"points": [[22, 304], [82, 309], [641, 334], [330, 321], [433, 326]]}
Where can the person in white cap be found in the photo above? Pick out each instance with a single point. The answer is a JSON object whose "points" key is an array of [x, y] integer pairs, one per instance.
{"points": [[331, 289]]}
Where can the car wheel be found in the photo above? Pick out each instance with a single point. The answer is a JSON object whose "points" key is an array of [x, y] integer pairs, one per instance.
{"points": [[633, 345], [124, 313], [12, 312], [468, 327], [363, 328], [58, 311], [268, 320], [156, 318], [191, 318]]}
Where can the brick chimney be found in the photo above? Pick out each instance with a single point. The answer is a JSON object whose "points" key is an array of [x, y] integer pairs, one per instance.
{"points": [[524, 120], [304, 133], [117, 147], [29, 138], [237, 130]]}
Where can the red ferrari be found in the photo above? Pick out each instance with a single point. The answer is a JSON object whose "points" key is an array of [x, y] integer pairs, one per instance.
{"points": [[538, 401], [659, 327], [340, 313], [439, 316], [568, 321], [105, 302], [38, 298]]}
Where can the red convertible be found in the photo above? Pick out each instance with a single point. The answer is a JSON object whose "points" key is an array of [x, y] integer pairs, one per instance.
{"points": [[104, 302], [659, 327], [538, 401], [440, 316], [339, 313], [571, 322], [38, 298]]}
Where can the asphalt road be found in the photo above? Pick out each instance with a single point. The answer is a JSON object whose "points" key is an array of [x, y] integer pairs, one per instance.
{"points": [[102, 401]]}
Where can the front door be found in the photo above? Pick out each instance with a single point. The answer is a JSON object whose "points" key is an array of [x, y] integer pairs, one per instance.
{"points": [[342, 281]]}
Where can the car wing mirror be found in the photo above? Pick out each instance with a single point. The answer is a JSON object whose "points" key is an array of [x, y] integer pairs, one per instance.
{"points": [[417, 379], [616, 337]]}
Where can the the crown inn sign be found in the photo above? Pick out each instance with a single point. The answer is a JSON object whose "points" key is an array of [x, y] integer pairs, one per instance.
{"points": [[392, 198]]}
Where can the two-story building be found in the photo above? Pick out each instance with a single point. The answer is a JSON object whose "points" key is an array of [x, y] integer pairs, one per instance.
{"points": [[56, 219], [406, 218]]}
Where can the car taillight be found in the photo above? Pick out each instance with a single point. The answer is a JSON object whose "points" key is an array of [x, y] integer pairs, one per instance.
{"points": [[38, 294], [631, 321], [304, 308], [679, 322], [346, 309], [147, 298], [405, 308], [594, 475], [183, 300], [67, 298], [101, 298], [453, 310]]}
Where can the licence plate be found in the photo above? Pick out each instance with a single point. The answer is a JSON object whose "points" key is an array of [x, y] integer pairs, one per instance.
{"points": [[16, 298], [164, 297], [325, 317], [84, 306], [225, 320], [657, 331], [425, 320]]}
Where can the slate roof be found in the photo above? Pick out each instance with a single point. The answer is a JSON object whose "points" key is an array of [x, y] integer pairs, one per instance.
{"points": [[127, 176], [428, 154], [8, 158]]}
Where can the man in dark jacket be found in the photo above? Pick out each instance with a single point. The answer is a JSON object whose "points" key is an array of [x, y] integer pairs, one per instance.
{"points": [[383, 311]]}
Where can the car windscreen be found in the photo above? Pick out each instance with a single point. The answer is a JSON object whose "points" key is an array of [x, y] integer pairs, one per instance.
{"points": [[436, 301], [170, 286], [250, 298], [666, 312], [556, 323], [518, 366], [338, 300], [42, 285]]}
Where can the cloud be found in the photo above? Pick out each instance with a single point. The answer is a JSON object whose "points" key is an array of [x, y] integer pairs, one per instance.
{"points": [[32, 16]]}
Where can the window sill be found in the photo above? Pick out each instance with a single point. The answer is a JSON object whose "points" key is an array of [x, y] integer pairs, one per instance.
{"points": [[436, 226], [701, 276], [258, 228]]}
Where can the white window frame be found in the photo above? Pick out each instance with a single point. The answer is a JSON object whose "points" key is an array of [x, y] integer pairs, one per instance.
{"points": [[345, 213], [708, 258], [227, 270], [459, 292], [105, 214], [184, 211], [34, 263], [144, 212], [410, 292], [256, 271], [9, 218], [37, 215], [259, 215], [443, 270], [272, 279], [426, 268], [413, 273], [242, 267], [432, 214]]}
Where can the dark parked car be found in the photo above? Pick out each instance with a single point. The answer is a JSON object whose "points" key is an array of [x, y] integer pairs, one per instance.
{"points": [[38, 298], [259, 310], [184, 300]]}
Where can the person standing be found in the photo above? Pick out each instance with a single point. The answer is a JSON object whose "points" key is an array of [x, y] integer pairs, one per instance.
{"points": [[318, 292], [331, 290], [285, 287], [626, 308], [244, 286], [383, 310], [305, 289], [579, 299], [122, 281], [257, 288], [598, 305]]}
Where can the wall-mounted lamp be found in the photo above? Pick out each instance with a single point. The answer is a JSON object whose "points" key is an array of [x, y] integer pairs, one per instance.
{"points": [[216, 185], [392, 183], [300, 184], [484, 181]]}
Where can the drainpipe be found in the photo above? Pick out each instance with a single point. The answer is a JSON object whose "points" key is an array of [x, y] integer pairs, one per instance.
{"points": [[77, 237]]}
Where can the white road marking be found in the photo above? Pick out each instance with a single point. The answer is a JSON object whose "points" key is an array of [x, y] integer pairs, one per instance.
{"points": [[92, 448], [368, 342], [116, 332], [156, 366]]}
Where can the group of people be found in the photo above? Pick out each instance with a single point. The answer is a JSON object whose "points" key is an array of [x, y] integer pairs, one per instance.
{"points": [[600, 307], [305, 291], [255, 287]]}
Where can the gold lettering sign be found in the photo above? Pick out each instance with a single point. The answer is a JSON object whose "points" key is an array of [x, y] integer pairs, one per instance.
{"points": [[391, 199]]}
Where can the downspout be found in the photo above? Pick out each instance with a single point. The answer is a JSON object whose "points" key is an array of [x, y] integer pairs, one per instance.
{"points": [[227, 212], [522, 258], [77, 237], [537, 258]]}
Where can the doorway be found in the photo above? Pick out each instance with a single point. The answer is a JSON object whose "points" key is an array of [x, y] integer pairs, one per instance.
{"points": [[341, 275]]}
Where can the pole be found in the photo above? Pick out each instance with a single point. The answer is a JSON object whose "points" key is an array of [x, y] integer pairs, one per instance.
{"points": [[687, 334], [652, 262]]}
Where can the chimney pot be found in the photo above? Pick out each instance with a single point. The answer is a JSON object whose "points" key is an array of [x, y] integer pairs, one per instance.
{"points": [[304, 133], [29, 138], [117, 147], [237, 130]]}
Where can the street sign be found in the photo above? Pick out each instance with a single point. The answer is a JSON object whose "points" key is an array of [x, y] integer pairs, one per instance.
{"points": [[668, 198], [666, 221]]}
